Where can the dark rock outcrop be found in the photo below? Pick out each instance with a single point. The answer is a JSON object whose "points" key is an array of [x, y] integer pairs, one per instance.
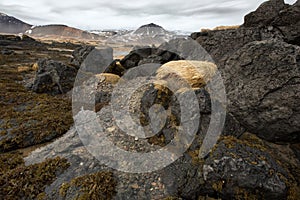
{"points": [[288, 22], [275, 13], [263, 88], [53, 77], [146, 55], [264, 14], [80, 54], [239, 168], [222, 43], [261, 67]]}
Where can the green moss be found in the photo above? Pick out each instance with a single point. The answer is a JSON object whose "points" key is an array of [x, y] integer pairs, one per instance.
{"points": [[30, 181], [100, 185]]}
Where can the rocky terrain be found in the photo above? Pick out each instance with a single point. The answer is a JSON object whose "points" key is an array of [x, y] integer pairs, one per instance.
{"points": [[54, 92]]}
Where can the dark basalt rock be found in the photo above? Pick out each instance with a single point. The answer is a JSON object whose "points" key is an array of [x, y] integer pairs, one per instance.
{"points": [[80, 54], [288, 22], [53, 77], [222, 43], [145, 55], [164, 97], [263, 88], [239, 168], [264, 14]]}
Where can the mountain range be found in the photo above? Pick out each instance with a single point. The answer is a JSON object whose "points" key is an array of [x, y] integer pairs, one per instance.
{"points": [[12, 25], [146, 34]]}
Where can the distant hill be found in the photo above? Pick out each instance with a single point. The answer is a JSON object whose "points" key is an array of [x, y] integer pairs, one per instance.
{"points": [[61, 31], [12, 25], [9, 24]]}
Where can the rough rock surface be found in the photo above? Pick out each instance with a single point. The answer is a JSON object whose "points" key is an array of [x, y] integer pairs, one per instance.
{"points": [[272, 20], [145, 55], [263, 89], [222, 43], [94, 93], [237, 168], [53, 77], [80, 54], [288, 22], [265, 13], [275, 13]]}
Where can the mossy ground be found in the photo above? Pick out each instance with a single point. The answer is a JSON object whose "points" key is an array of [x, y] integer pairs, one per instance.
{"points": [[97, 186], [28, 118], [18, 181]]}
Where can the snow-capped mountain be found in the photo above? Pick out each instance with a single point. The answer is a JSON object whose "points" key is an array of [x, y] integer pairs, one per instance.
{"points": [[146, 35], [9, 24]]}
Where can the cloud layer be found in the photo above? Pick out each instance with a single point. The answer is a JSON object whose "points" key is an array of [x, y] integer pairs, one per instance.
{"points": [[189, 15]]}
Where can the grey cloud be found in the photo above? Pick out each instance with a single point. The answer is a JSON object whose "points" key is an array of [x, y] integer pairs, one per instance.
{"points": [[120, 13]]}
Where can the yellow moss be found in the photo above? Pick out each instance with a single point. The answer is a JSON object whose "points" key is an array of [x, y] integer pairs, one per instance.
{"points": [[242, 194], [100, 185], [195, 157], [158, 140], [294, 192], [10, 161], [41, 196], [63, 189], [29, 182], [218, 186]]}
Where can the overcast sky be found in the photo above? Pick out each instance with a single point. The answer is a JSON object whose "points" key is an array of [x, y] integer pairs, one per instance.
{"points": [[188, 15]]}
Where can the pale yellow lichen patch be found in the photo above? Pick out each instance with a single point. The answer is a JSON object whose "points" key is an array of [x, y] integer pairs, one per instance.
{"points": [[195, 73], [35, 66], [23, 69], [108, 78]]}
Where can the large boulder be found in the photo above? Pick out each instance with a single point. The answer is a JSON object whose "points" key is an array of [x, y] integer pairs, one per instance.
{"points": [[222, 43], [195, 73], [264, 14], [272, 20], [53, 77], [144, 55], [237, 169], [263, 88], [288, 21]]}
